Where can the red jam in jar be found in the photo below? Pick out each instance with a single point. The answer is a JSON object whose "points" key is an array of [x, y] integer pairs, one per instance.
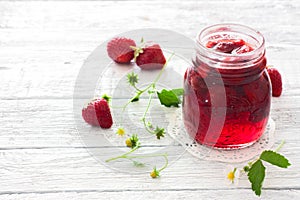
{"points": [[227, 90]]}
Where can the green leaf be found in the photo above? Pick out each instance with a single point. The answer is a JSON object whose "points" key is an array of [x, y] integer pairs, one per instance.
{"points": [[159, 132], [149, 125], [168, 98], [275, 159], [135, 98], [256, 176], [178, 92], [138, 164]]}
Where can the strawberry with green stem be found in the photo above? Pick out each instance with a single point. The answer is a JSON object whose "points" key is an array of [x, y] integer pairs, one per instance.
{"points": [[97, 112], [149, 56]]}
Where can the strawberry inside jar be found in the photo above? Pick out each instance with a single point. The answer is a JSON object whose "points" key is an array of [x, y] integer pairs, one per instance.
{"points": [[227, 91]]}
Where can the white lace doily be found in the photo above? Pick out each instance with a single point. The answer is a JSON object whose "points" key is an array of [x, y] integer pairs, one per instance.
{"points": [[177, 131]]}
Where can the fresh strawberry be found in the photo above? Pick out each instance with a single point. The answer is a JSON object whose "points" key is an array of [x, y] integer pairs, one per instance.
{"points": [[150, 57], [97, 113], [276, 81], [119, 49]]}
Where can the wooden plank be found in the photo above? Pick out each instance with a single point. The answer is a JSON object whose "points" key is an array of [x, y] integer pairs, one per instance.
{"points": [[31, 60], [37, 80], [105, 13], [41, 154], [42, 170], [50, 123], [156, 194]]}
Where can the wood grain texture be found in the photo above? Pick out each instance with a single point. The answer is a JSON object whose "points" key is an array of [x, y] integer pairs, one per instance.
{"points": [[40, 170], [43, 45], [170, 195], [43, 123]]}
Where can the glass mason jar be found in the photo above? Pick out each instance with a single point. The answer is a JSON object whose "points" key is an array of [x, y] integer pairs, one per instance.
{"points": [[227, 91]]}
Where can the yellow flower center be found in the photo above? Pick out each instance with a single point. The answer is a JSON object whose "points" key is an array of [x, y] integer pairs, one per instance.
{"points": [[120, 131], [128, 142], [153, 174], [231, 176]]}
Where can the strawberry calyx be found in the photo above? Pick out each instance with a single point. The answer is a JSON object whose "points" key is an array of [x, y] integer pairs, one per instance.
{"points": [[138, 49], [106, 97]]}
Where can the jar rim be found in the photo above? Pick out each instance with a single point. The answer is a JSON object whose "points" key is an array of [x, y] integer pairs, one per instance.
{"points": [[256, 51]]}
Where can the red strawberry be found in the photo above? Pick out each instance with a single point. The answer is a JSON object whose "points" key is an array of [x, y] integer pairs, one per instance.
{"points": [[119, 49], [242, 49], [225, 45], [276, 81], [150, 57], [97, 113]]}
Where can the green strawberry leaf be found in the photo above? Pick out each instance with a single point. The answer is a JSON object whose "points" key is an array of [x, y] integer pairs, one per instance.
{"points": [[178, 92], [256, 176], [138, 164], [275, 159], [168, 98], [135, 98]]}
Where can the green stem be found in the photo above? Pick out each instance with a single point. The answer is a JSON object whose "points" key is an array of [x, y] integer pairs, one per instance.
{"points": [[146, 127], [148, 106], [163, 69], [147, 156], [123, 155], [145, 113], [140, 92], [150, 97], [234, 170], [166, 163], [137, 88], [147, 88], [280, 146], [130, 101]]}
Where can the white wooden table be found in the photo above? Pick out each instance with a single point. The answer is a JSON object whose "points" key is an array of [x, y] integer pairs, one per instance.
{"points": [[43, 44]]}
